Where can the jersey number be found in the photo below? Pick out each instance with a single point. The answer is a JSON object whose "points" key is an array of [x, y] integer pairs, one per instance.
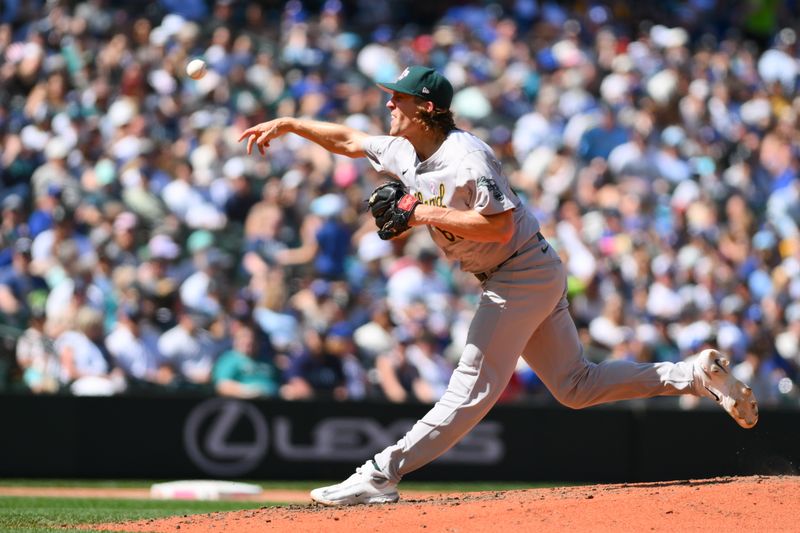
{"points": [[447, 235]]}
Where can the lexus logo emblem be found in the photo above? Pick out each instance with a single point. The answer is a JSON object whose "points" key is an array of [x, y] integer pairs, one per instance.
{"points": [[225, 437]]}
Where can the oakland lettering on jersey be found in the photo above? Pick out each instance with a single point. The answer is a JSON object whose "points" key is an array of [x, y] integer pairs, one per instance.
{"points": [[437, 200]]}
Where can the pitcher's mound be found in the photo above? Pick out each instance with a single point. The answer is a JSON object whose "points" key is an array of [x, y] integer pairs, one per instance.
{"points": [[757, 503]]}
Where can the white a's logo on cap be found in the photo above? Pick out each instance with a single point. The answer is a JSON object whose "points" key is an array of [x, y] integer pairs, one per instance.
{"points": [[425, 90], [403, 74]]}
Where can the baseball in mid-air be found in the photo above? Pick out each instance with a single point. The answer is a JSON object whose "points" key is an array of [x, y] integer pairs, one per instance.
{"points": [[196, 69]]}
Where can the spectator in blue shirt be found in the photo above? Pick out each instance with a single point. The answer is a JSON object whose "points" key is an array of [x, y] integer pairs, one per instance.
{"points": [[17, 283], [315, 373], [12, 226], [600, 140]]}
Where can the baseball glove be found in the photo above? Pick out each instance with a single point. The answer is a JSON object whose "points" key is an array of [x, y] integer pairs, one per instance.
{"points": [[392, 206]]}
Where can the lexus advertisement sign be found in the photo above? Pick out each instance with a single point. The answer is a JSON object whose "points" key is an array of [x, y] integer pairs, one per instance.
{"points": [[233, 438]]}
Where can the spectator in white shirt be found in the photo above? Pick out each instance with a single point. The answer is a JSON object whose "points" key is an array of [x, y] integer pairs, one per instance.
{"points": [[433, 368], [134, 346], [201, 289], [81, 351], [189, 348]]}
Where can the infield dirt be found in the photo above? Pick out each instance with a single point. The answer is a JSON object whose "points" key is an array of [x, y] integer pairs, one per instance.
{"points": [[747, 504]]}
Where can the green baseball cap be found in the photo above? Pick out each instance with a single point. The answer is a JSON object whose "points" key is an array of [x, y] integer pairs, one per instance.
{"points": [[425, 83]]}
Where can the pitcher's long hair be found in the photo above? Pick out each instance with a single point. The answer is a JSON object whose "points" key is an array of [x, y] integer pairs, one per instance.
{"points": [[438, 120]]}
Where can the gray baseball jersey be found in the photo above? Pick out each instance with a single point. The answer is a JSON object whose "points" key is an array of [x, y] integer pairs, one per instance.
{"points": [[462, 174], [523, 310]]}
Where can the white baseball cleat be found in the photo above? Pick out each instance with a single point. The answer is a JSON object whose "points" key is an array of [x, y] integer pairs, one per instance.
{"points": [[367, 485], [714, 380]]}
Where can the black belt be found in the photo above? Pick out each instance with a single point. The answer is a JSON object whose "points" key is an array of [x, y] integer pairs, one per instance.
{"points": [[483, 276]]}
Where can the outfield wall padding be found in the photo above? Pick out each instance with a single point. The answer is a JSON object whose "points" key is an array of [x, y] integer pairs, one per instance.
{"points": [[213, 437]]}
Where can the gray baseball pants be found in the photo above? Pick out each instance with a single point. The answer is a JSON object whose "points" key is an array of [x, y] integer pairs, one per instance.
{"points": [[524, 310]]}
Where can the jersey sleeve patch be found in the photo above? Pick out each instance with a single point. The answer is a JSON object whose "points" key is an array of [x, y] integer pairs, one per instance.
{"points": [[491, 194], [491, 185]]}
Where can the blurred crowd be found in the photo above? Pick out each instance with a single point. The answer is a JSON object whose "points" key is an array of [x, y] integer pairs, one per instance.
{"points": [[141, 249]]}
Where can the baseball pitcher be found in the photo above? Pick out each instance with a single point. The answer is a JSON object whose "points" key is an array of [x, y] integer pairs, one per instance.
{"points": [[450, 181]]}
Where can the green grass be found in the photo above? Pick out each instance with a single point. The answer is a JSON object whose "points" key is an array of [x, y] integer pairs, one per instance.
{"points": [[23, 514], [51, 514]]}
